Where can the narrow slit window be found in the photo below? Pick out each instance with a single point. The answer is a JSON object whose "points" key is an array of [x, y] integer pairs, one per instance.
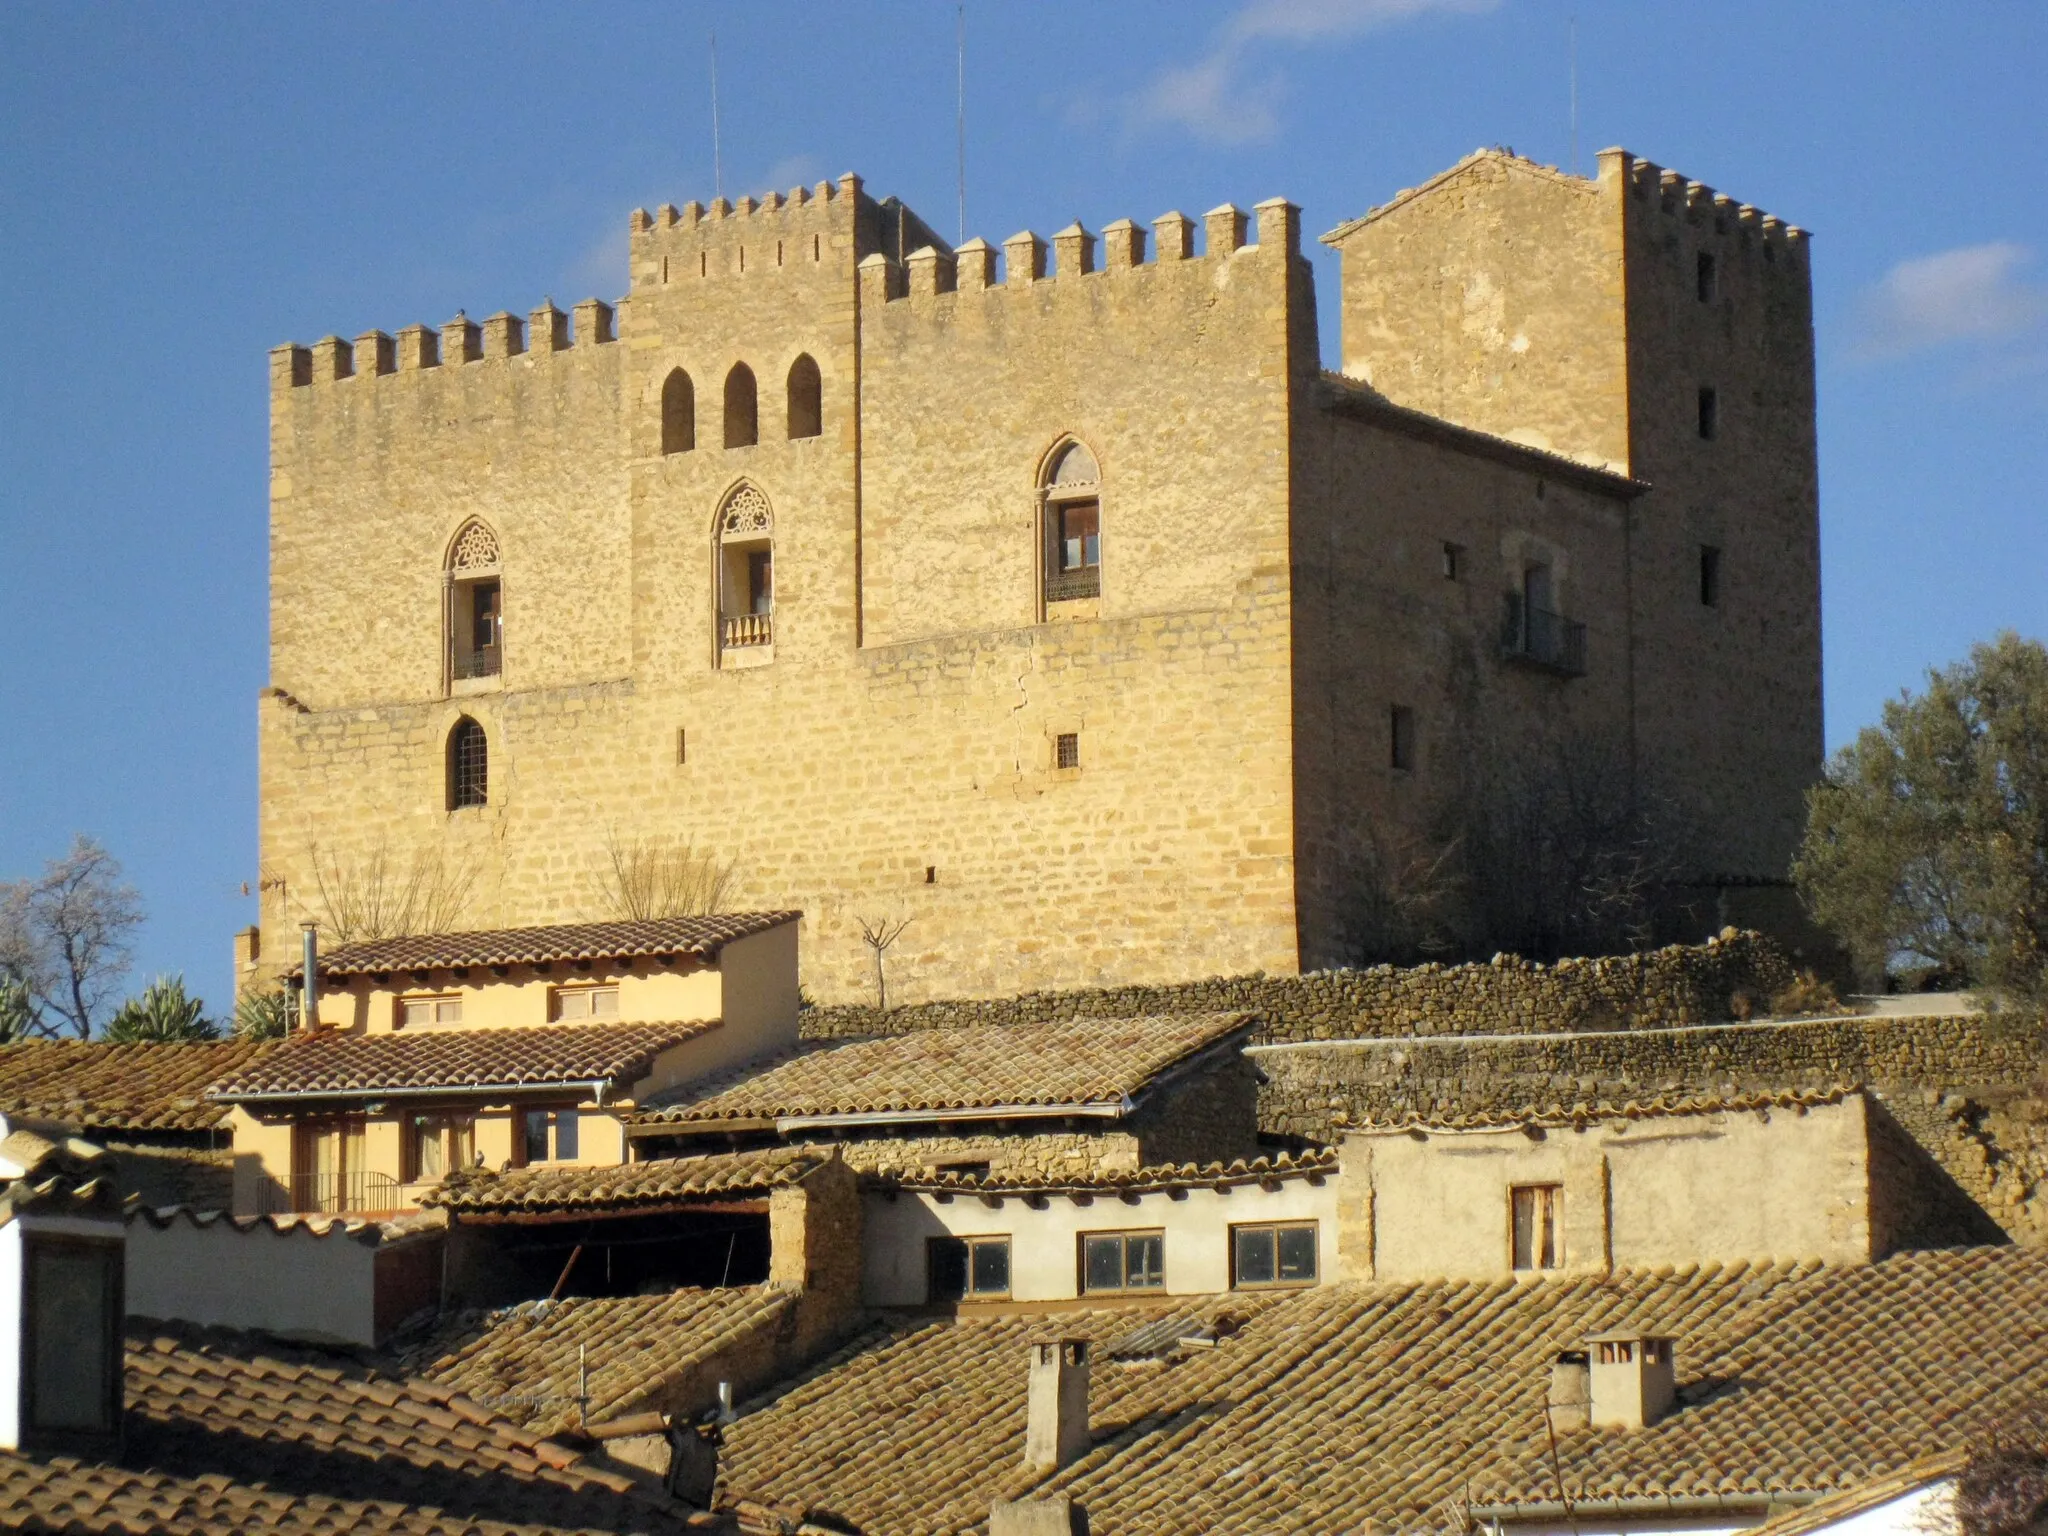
{"points": [[742, 418], [806, 398], [1401, 737], [1710, 413], [1710, 576], [1454, 562], [678, 413], [1705, 277]]}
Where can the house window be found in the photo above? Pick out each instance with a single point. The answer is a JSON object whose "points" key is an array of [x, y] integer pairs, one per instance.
{"points": [[419, 1012], [1066, 749], [1710, 576], [1710, 413], [436, 1145], [806, 398], [1281, 1254], [1705, 278], [678, 413], [1401, 737], [547, 1136], [469, 766], [746, 573], [1071, 518], [475, 605], [1454, 562], [742, 420], [329, 1172], [1536, 1220], [586, 1003], [1123, 1261], [960, 1268], [73, 1321]]}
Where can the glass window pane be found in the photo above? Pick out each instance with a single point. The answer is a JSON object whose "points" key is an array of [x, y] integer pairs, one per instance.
{"points": [[428, 1147], [73, 1293], [1105, 1263], [1254, 1255], [1144, 1262], [416, 1014], [536, 1125], [1524, 1228], [604, 1003], [565, 1136], [992, 1267], [1297, 1253], [461, 1141], [448, 1011], [946, 1260]]}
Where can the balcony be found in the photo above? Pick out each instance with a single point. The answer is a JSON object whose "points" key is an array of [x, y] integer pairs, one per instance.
{"points": [[1065, 586], [746, 629], [330, 1194], [1536, 637]]}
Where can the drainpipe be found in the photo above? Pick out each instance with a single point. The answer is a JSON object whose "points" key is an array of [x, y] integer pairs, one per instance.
{"points": [[309, 999]]}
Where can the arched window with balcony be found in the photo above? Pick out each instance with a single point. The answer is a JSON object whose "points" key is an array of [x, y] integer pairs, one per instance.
{"points": [[1070, 525], [806, 398], [469, 766], [475, 605], [678, 413], [742, 415], [746, 578]]}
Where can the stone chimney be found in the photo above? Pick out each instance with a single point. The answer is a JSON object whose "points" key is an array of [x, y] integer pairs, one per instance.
{"points": [[1056, 1426], [1634, 1378], [1571, 1391]]}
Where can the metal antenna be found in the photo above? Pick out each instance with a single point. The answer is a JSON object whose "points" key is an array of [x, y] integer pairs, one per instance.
{"points": [[1575, 94], [960, 108], [717, 164]]}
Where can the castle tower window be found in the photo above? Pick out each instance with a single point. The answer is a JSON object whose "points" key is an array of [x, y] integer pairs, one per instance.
{"points": [[746, 578], [1071, 522], [474, 606], [1710, 413], [1401, 737], [678, 413], [742, 416], [469, 766], [1066, 750], [1705, 278], [1710, 576], [806, 398]]}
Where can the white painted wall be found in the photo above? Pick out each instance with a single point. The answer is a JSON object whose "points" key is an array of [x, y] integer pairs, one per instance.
{"points": [[294, 1282], [1045, 1244]]}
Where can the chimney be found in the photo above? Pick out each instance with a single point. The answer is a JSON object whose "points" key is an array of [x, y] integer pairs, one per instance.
{"points": [[1056, 1426], [1634, 1378], [309, 995], [1570, 1404]]}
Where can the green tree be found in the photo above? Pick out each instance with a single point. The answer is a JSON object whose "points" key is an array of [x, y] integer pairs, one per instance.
{"points": [[162, 1012], [1927, 839], [264, 1014]]}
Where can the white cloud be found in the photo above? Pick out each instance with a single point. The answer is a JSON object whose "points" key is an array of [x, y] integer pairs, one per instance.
{"points": [[600, 271], [1972, 293], [1218, 100], [795, 171]]}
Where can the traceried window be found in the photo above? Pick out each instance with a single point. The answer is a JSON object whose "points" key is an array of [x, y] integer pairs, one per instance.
{"points": [[746, 577], [1070, 519], [475, 605], [678, 413], [469, 766], [1123, 1261], [806, 398], [742, 417], [1536, 1226], [963, 1268]]}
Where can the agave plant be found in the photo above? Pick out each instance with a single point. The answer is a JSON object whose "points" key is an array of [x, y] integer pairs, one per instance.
{"points": [[161, 1012], [264, 1015]]}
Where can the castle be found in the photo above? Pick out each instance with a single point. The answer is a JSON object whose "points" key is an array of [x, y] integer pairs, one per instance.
{"points": [[1055, 608]]}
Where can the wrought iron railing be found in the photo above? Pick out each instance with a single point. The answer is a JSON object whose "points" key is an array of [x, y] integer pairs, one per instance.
{"points": [[330, 1193], [1541, 638], [747, 629], [1062, 586], [484, 661]]}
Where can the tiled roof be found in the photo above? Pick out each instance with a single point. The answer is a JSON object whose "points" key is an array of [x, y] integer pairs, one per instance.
{"points": [[226, 1433], [698, 936], [1331, 1407], [635, 1186], [66, 1177], [517, 1056], [1445, 1114], [1318, 1163], [523, 1361], [1072, 1062], [93, 1085]]}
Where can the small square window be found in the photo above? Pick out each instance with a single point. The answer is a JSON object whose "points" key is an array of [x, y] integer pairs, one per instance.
{"points": [[1710, 576], [583, 1003], [419, 1012], [1536, 1221], [1401, 737], [1710, 413], [1123, 1261], [1454, 562], [1705, 278], [960, 1268], [1283, 1254], [548, 1136], [1067, 750]]}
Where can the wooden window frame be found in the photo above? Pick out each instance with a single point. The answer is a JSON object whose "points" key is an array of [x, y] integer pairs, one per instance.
{"points": [[437, 999], [1309, 1225], [522, 1150], [1547, 1196], [970, 1243], [556, 996], [1125, 1237]]}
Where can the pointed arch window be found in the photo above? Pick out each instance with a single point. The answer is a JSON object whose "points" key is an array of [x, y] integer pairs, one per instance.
{"points": [[742, 413], [1070, 525], [469, 765], [806, 398], [746, 578], [475, 605], [678, 413]]}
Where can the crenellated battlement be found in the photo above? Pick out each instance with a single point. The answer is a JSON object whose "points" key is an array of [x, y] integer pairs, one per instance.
{"points": [[461, 341], [1678, 196], [777, 233], [1028, 258]]}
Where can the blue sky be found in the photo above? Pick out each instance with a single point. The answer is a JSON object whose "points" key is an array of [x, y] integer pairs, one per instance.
{"points": [[182, 187]]}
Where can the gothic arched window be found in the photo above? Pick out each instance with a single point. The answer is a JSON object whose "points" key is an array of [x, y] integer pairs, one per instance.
{"points": [[746, 576], [469, 765], [678, 413], [475, 605], [806, 398], [1070, 521], [742, 419]]}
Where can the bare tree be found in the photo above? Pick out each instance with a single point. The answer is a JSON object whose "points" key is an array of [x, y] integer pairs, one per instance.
{"points": [[65, 937], [878, 934], [646, 878], [375, 896]]}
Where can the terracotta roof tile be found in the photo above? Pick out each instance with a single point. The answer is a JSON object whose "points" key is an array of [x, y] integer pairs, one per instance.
{"points": [[93, 1085], [656, 1182], [700, 936], [1074, 1061], [523, 1361], [1321, 1162], [525, 1056], [1331, 1407]]}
